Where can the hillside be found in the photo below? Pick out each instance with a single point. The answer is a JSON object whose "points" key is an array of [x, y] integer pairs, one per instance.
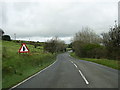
{"points": [[17, 67]]}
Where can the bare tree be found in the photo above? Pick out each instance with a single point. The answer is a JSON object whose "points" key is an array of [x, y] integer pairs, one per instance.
{"points": [[112, 42], [86, 43], [86, 35], [54, 45]]}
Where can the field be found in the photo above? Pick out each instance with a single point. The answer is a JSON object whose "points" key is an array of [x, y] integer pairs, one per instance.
{"points": [[110, 63], [17, 67]]}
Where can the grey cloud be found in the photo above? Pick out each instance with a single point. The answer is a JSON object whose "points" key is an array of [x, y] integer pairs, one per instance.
{"points": [[63, 19]]}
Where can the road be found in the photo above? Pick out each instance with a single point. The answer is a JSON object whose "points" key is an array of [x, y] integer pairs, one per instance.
{"points": [[68, 72]]}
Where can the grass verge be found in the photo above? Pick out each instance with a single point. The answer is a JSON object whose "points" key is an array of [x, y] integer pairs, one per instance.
{"points": [[17, 67], [110, 63]]}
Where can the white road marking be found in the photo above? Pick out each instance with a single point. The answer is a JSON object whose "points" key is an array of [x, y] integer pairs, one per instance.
{"points": [[83, 77], [81, 73], [71, 61], [32, 76], [75, 65]]}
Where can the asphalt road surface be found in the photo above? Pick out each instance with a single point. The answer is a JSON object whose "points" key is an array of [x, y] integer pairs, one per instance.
{"points": [[68, 72]]}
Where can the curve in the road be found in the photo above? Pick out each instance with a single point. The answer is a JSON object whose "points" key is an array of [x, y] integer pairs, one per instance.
{"points": [[68, 72]]}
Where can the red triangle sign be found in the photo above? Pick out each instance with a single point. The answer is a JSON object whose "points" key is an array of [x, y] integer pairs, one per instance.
{"points": [[23, 49]]}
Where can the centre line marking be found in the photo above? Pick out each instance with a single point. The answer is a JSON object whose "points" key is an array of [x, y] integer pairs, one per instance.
{"points": [[71, 61], [75, 65], [81, 73], [83, 77]]}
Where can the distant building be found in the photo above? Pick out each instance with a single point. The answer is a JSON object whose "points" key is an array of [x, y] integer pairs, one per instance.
{"points": [[119, 13]]}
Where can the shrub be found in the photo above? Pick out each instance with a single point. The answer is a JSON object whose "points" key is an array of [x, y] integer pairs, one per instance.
{"points": [[111, 40], [54, 45], [6, 38]]}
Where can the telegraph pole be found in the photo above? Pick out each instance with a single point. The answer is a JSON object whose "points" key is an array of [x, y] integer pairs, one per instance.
{"points": [[115, 23], [119, 13], [15, 36]]}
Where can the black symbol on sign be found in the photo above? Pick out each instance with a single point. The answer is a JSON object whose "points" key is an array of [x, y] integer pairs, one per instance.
{"points": [[23, 48]]}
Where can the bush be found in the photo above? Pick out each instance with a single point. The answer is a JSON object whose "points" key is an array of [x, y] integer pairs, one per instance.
{"points": [[89, 50], [55, 45], [111, 40], [6, 38], [86, 43]]}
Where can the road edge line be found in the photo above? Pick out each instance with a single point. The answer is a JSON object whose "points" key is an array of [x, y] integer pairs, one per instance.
{"points": [[33, 75]]}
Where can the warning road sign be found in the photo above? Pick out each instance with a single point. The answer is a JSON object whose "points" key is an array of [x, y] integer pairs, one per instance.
{"points": [[23, 49]]}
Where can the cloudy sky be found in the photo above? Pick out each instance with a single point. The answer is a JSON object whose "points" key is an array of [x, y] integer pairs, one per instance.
{"points": [[40, 20]]}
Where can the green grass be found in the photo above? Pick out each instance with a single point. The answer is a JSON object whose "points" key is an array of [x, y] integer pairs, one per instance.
{"points": [[68, 49], [110, 63], [17, 67]]}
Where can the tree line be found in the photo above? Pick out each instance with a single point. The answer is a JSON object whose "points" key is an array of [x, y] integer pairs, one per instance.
{"points": [[87, 44]]}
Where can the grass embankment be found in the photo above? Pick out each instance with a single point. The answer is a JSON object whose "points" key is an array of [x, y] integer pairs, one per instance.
{"points": [[17, 67], [110, 63]]}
